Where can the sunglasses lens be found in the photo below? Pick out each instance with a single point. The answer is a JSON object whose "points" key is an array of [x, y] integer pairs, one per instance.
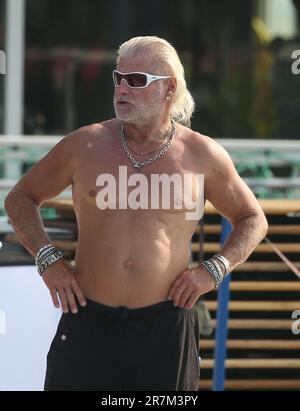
{"points": [[132, 79], [136, 79]]}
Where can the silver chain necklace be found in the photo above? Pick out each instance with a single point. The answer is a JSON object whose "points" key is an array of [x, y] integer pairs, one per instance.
{"points": [[138, 164], [167, 135]]}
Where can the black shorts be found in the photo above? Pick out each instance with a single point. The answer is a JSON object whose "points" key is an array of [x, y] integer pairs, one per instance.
{"points": [[117, 348]]}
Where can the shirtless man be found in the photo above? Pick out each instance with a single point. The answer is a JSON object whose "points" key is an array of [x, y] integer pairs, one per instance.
{"points": [[129, 320]]}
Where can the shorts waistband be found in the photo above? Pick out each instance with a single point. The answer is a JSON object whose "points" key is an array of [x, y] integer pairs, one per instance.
{"points": [[162, 306]]}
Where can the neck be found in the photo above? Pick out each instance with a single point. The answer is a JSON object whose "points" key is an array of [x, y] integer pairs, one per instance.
{"points": [[152, 131]]}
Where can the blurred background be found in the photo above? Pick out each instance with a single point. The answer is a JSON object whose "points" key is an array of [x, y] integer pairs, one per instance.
{"points": [[237, 57], [238, 61]]}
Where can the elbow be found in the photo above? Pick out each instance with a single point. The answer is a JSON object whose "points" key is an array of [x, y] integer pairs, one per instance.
{"points": [[261, 223], [14, 198], [258, 223], [264, 225], [10, 202], [7, 202]]}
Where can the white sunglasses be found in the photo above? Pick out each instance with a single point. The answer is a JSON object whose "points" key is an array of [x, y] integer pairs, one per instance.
{"points": [[135, 79]]}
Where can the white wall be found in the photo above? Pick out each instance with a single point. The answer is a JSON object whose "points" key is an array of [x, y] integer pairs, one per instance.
{"points": [[28, 322]]}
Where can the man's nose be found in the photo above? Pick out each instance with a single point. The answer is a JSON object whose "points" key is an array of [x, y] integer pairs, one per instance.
{"points": [[123, 86]]}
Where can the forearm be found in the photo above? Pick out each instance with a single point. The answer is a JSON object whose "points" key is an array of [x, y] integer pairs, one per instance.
{"points": [[245, 236], [26, 220]]}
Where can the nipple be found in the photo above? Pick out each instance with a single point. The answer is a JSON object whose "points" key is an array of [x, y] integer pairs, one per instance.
{"points": [[92, 193]]}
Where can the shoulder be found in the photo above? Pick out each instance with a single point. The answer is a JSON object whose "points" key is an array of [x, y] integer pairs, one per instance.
{"points": [[197, 140], [79, 140], [208, 150], [73, 147], [92, 130]]}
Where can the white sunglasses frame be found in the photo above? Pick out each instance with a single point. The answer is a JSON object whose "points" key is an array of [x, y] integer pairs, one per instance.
{"points": [[149, 78]]}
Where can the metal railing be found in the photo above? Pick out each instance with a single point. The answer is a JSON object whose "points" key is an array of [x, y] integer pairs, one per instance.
{"points": [[255, 161]]}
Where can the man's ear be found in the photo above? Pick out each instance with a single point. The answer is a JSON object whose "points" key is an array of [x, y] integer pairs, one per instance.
{"points": [[172, 85]]}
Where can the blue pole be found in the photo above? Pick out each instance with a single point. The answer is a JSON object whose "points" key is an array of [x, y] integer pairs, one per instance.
{"points": [[222, 317]]}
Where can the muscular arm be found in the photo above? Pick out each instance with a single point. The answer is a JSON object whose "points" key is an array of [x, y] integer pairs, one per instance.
{"points": [[233, 199], [45, 180], [26, 220]]}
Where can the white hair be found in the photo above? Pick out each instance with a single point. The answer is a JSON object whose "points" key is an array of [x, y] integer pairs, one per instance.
{"points": [[182, 104]]}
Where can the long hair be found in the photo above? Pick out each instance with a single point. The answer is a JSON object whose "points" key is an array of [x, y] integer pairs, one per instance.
{"points": [[182, 103]]}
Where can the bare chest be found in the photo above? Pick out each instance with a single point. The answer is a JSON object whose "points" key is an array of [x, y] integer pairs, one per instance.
{"points": [[105, 180]]}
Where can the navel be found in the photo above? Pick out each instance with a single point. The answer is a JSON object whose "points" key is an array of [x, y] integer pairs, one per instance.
{"points": [[128, 264]]}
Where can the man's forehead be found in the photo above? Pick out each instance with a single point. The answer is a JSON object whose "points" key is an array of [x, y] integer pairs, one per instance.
{"points": [[140, 62]]}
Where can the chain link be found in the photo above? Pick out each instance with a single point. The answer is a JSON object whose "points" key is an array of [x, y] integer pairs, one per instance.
{"points": [[138, 164], [167, 135]]}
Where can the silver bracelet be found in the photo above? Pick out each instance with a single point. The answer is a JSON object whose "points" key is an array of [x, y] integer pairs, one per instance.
{"points": [[224, 261], [45, 254], [42, 250], [213, 270], [49, 260], [219, 268]]}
